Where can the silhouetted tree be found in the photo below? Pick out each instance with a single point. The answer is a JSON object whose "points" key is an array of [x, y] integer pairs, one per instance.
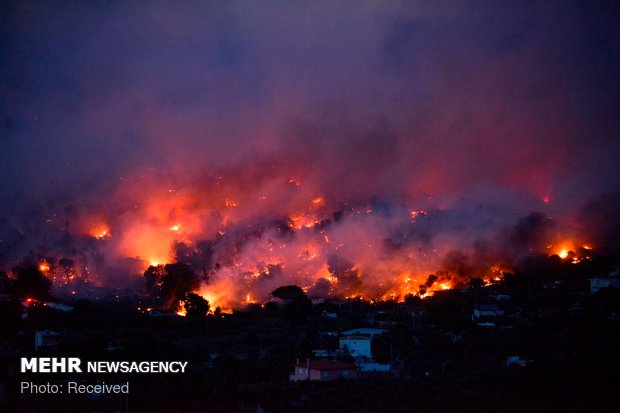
{"points": [[195, 305], [66, 264], [475, 283], [298, 305], [198, 257], [31, 282], [152, 277], [177, 281], [411, 299], [288, 292], [271, 308], [167, 284]]}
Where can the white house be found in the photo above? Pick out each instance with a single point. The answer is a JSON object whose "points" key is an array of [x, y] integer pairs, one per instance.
{"points": [[372, 332], [368, 366], [46, 338], [486, 314], [357, 346]]}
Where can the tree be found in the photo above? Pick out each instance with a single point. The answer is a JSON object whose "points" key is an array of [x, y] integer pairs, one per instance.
{"points": [[66, 264], [152, 276], [199, 257], [195, 305], [31, 282], [177, 281], [288, 292], [411, 299], [298, 305], [476, 283]]}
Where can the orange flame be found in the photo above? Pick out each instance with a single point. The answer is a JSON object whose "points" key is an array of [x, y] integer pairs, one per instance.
{"points": [[100, 231], [44, 267]]}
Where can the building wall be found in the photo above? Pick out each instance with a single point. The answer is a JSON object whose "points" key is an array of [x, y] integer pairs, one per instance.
{"points": [[596, 284], [301, 374], [329, 375], [356, 347]]}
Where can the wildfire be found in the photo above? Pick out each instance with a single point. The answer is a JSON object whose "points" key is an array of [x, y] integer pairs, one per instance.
{"points": [[229, 203], [218, 297], [352, 250], [100, 231], [570, 250], [249, 300], [181, 311], [445, 286], [303, 221], [44, 267]]}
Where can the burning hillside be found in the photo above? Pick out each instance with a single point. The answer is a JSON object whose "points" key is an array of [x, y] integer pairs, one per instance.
{"points": [[241, 241]]}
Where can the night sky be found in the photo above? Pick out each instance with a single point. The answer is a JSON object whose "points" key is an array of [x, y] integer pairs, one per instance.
{"points": [[417, 103]]}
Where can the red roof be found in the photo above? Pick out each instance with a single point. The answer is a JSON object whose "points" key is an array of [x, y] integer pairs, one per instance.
{"points": [[323, 364]]}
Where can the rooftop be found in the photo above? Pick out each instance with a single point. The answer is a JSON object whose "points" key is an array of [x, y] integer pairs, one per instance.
{"points": [[324, 364]]}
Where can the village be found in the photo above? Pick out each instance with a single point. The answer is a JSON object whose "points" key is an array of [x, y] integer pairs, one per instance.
{"points": [[447, 349]]}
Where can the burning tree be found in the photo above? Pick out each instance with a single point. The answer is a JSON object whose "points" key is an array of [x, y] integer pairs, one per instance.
{"points": [[195, 306], [168, 284]]}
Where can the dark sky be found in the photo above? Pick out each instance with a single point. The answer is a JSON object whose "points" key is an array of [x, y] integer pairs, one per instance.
{"points": [[395, 99]]}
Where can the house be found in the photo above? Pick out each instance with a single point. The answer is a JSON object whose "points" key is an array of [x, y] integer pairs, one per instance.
{"points": [[485, 315], [161, 313], [501, 297], [597, 284], [328, 314], [321, 353], [368, 366], [371, 332], [516, 361], [46, 339], [323, 370], [416, 315], [58, 306], [357, 346]]}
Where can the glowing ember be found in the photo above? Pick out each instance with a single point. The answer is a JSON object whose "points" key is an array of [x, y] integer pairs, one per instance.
{"points": [[229, 203], [416, 214], [175, 228]]}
